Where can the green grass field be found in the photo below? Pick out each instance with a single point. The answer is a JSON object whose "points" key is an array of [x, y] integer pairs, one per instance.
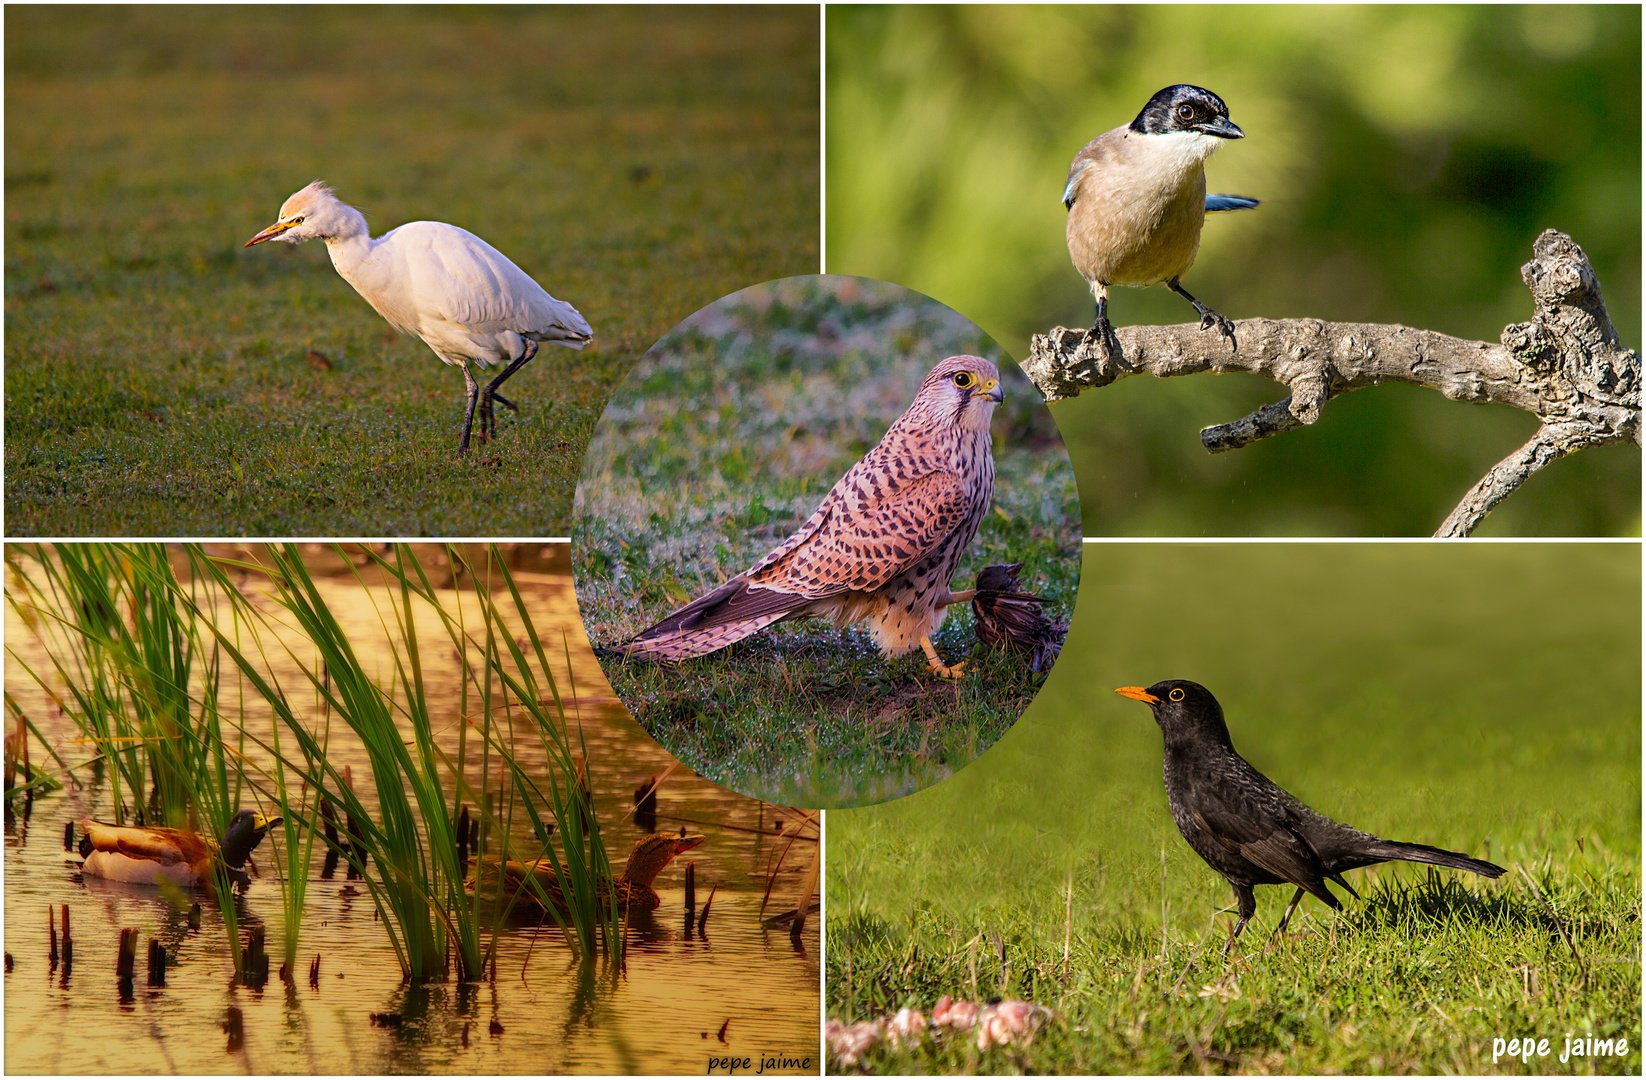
{"points": [[724, 440], [160, 380], [1481, 698]]}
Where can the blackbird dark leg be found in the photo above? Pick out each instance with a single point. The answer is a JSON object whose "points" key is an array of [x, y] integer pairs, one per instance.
{"points": [[468, 415], [1247, 904], [488, 422], [1291, 907], [1209, 319]]}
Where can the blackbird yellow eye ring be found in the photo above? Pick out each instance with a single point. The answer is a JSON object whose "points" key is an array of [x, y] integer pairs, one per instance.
{"points": [[1176, 693]]}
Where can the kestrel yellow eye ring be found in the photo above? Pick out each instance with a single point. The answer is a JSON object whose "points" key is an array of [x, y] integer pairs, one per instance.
{"points": [[964, 379]]}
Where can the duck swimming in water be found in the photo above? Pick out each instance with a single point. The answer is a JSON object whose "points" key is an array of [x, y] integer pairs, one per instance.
{"points": [[633, 889], [150, 856]]}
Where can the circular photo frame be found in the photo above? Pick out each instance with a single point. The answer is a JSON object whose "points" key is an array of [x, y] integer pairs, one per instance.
{"points": [[826, 541]]}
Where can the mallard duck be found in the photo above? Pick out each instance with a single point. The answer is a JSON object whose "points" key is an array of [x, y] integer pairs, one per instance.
{"points": [[150, 856], [634, 889]]}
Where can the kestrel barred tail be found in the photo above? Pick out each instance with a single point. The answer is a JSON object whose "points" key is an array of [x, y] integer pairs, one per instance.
{"points": [[883, 545]]}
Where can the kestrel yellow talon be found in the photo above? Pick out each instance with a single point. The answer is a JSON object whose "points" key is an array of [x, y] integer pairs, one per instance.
{"points": [[883, 545], [935, 662]]}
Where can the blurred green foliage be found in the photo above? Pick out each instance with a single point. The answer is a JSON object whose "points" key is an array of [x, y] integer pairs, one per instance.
{"points": [[1406, 156], [639, 162]]}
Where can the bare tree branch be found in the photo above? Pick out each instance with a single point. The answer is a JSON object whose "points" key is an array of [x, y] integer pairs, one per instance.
{"points": [[1551, 443], [1565, 366]]}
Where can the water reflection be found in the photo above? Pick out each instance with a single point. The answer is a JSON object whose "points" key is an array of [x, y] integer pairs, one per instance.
{"points": [[665, 1012]]}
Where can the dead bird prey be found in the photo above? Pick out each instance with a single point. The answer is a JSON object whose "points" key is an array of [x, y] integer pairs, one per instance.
{"points": [[1008, 618]]}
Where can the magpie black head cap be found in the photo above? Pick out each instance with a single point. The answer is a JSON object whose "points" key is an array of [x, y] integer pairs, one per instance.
{"points": [[1186, 108]]}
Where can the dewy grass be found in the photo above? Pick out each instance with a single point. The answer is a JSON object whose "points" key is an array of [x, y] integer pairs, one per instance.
{"points": [[1420, 977]]}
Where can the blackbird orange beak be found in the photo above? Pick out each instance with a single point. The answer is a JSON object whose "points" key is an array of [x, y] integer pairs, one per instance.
{"points": [[1137, 693]]}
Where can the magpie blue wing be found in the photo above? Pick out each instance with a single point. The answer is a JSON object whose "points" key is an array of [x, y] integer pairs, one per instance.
{"points": [[1075, 170]]}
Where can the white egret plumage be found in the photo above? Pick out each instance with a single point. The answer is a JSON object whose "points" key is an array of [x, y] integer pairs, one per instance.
{"points": [[462, 296]]}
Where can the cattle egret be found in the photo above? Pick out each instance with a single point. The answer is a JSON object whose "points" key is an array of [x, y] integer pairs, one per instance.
{"points": [[462, 296]]}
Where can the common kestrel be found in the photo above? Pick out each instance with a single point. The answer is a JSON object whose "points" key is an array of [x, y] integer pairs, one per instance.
{"points": [[883, 545]]}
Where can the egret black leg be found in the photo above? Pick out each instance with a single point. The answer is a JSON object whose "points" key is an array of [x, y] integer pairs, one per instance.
{"points": [[1209, 319], [488, 422], [468, 414]]}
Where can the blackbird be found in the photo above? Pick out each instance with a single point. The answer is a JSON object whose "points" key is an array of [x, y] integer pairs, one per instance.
{"points": [[1246, 826]]}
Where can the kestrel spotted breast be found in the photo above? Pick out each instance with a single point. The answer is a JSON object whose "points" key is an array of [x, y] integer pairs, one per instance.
{"points": [[883, 545]]}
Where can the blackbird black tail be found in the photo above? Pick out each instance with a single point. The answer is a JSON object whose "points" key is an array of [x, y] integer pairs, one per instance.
{"points": [[1423, 853]]}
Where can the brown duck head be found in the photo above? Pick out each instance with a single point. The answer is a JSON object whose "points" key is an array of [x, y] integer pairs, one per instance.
{"points": [[654, 853]]}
